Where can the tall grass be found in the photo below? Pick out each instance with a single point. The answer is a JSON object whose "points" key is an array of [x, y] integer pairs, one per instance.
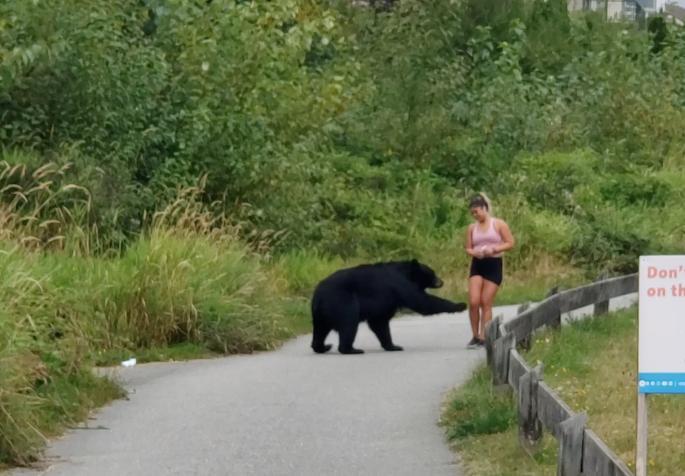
{"points": [[32, 220], [37, 207], [43, 349], [189, 278], [299, 271]]}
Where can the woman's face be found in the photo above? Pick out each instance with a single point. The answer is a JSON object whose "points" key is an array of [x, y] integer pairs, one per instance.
{"points": [[479, 213]]}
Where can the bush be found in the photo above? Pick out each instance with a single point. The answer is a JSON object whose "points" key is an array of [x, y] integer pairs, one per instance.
{"points": [[549, 181]]}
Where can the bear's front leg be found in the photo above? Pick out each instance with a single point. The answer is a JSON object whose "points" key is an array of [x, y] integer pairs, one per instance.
{"points": [[381, 328]]}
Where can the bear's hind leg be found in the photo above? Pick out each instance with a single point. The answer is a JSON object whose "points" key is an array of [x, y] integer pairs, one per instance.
{"points": [[347, 334], [319, 338], [382, 330]]}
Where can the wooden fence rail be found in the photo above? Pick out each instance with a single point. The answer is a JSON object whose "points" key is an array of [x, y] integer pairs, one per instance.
{"points": [[581, 451]]}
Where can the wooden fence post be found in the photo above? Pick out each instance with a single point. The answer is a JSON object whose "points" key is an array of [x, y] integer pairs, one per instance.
{"points": [[599, 460], [642, 435], [530, 426], [500, 360], [492, 333], [601, 307], [571, 433], [555, 322], [527, 342]]}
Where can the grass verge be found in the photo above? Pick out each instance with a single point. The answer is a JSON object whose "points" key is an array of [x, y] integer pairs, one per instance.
{"points": [[183, 290], [592, 363]]}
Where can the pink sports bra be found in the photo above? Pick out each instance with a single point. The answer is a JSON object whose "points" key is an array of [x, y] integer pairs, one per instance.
{"points": [[490, 237]]}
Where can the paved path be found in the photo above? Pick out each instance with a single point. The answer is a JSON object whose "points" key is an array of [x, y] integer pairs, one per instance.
{"points": [[287, 412]]}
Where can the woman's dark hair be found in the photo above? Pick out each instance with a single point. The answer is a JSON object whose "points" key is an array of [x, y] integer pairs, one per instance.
{"points": [[480, 201]]}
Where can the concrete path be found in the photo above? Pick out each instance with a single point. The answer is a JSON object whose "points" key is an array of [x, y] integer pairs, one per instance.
{"points": [[287, 412]]}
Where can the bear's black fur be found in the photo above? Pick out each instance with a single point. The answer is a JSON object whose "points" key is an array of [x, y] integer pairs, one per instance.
{"points": [[374, 293]]}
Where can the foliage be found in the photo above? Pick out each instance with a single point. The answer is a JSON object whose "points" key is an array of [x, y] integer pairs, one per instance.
{"points": [[316, 121], [322, 133]]}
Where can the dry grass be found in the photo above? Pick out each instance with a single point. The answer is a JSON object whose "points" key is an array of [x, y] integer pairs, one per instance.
{"points": [[37, 207]]}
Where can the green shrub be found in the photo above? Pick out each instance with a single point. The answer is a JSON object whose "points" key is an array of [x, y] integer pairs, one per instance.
{"points": [[549, 181]]}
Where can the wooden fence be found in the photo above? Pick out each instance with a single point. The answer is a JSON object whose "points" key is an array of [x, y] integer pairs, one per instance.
{"points": [[581, 451]]}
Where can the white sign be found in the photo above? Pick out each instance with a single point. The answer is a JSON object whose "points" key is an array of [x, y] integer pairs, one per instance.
{"points": [[661, 366]]}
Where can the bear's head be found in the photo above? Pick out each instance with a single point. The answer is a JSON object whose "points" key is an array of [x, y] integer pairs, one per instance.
{"points": [[423, 275]]}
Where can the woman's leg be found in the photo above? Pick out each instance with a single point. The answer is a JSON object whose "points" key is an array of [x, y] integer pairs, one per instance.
{"points": [[475, 289], [487, 298]]}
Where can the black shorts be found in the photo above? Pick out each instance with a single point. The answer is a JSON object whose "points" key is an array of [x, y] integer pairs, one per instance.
{"points": [[487, 268]]}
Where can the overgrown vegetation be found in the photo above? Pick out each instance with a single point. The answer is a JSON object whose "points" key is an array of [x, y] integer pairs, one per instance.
{"points": [[591, 364], [311, 134], [352, 131], [188, 284]]}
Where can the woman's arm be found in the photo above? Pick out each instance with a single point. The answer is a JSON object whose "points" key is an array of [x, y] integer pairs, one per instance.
{"points": [[504, 231], [468, 244]]}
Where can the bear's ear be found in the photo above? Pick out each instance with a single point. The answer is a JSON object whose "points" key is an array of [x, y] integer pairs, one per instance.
{"points": [[414, 262]]}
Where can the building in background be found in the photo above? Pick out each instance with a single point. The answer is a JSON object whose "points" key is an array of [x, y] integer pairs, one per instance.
{"points": [[630, 10], [674, 14]]}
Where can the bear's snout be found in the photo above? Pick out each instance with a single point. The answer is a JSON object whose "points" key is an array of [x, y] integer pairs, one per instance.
{"points": [[438, 283]]}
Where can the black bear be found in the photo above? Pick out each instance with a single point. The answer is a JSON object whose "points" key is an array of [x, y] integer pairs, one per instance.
{"points": [[374, 293]]}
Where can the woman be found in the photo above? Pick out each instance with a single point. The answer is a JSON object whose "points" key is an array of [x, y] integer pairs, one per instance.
{"points": [[486, 240]]}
